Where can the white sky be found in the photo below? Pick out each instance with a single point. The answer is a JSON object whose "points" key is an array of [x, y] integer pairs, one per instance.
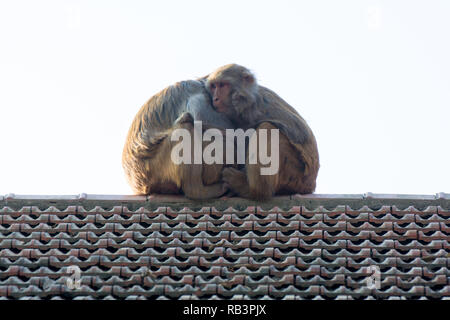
{"points": [[372, 78]]}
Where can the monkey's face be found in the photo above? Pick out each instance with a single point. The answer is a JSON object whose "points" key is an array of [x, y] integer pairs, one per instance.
{"points": [[221, 95], [233, 91]]}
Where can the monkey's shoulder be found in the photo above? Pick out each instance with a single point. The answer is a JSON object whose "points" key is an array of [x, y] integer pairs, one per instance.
{"points": [[274, 101], [282, 115]]}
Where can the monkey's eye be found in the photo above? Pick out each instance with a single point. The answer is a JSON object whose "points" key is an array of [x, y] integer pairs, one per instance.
{"points": [[213, 85]]}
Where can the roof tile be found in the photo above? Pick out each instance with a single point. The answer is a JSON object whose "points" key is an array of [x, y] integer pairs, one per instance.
{"points": [[143, 248]]}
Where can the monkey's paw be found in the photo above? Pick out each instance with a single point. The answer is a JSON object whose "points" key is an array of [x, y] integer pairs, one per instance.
{"points": [[185, 117], [236, 180]]}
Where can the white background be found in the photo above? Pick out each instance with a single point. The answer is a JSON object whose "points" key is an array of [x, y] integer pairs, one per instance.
{"points": [[372, 78]]}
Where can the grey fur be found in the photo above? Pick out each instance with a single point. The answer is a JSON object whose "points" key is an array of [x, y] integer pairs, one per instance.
{"points": [[199, 106]]}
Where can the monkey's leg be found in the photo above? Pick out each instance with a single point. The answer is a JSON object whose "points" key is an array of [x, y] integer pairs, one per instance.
{"points": [[252, 183], [291, 171], [212, 173], [263, 186], [192, 175], [298, 170], [291, 177]]}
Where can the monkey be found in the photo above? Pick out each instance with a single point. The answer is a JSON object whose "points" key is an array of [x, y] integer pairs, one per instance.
{"points": [[146, 157], [235, 93]]}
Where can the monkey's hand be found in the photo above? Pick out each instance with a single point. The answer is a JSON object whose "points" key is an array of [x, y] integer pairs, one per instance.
{"points": [[236, 180], [229, 193], [199, 192], [185, 117]]}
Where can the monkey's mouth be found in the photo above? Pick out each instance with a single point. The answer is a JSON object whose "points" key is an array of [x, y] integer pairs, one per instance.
{"points": [[220, 108]]}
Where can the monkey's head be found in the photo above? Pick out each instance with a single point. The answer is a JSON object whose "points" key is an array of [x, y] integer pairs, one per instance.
{"points": [[233, 90]]}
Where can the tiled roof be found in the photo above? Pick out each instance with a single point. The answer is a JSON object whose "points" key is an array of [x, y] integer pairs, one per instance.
{"points": [[160, 247]]}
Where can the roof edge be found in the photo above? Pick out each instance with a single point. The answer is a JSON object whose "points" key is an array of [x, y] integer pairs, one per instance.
{"points": [[179, 198]]}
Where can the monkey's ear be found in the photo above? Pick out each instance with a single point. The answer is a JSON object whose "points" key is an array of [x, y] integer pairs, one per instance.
{"points": [[204, 78], [248, 78]]}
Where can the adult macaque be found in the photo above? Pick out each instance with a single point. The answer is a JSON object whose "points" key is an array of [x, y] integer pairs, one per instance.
{"points": [[146, 156], [236, 94]]}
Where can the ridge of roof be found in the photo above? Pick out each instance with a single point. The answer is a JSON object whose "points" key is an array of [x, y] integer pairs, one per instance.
{"points": [[310, 201], [175, 198]]}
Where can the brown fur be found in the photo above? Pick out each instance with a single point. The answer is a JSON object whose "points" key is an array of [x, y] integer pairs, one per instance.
{"points": [[236, 94]]}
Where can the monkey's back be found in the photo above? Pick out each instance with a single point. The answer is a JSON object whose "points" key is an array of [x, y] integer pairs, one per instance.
{"points": [[293, 126], [152, 124], [284, 116], [162, 109]]}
